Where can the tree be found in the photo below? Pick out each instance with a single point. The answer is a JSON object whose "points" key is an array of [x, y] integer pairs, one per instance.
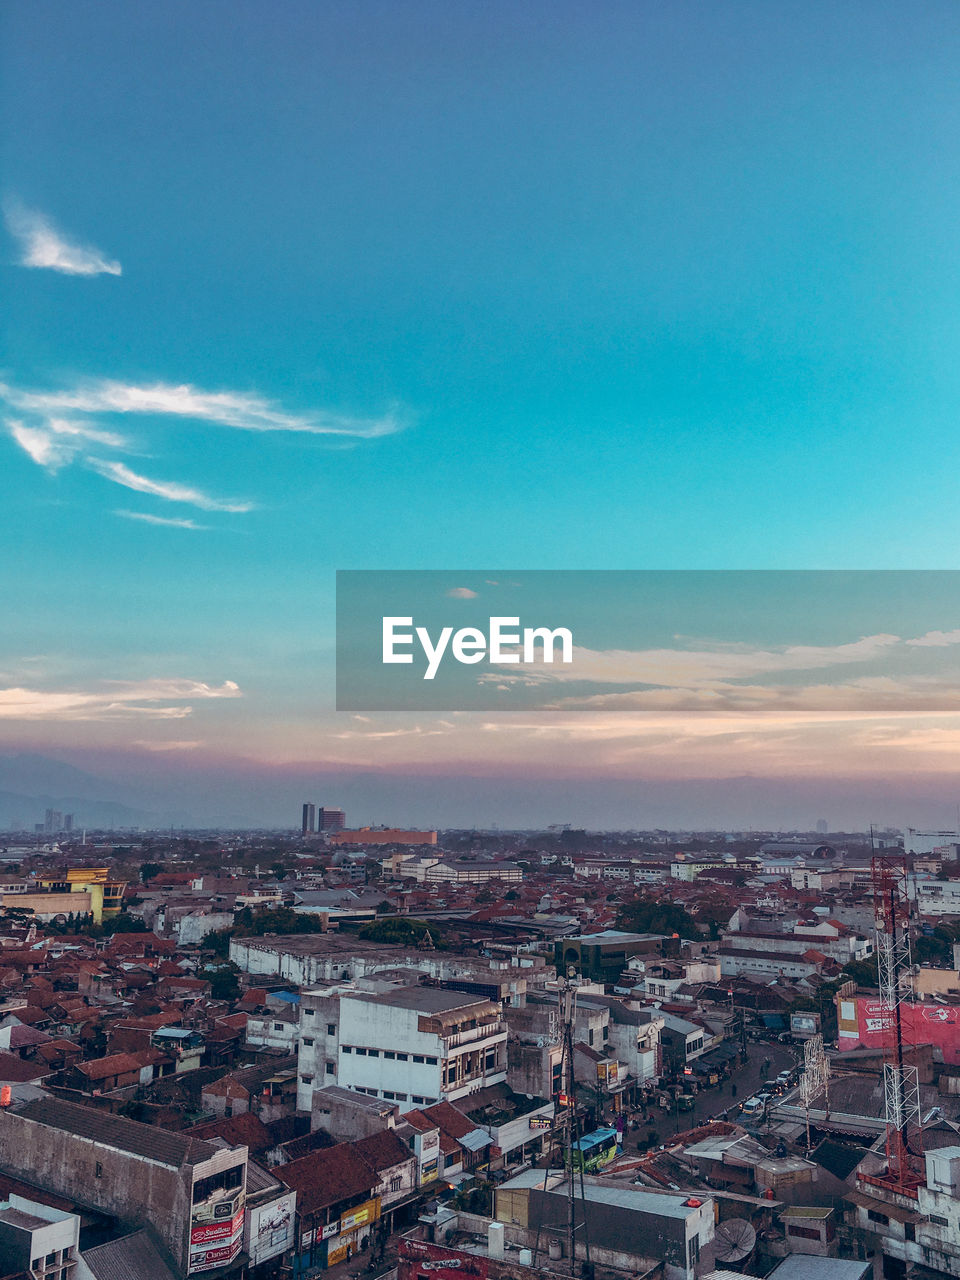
{"points": [[224, 984], [124, 923], [650, 915], [400, 930], [149, 870]]}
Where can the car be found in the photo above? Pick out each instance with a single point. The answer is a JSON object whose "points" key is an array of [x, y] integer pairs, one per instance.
{"points": [[785, 1077], [752, 1107]]}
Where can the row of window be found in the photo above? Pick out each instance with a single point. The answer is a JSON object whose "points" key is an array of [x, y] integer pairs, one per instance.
{"points": [[388, 1053], [390, 1096]]}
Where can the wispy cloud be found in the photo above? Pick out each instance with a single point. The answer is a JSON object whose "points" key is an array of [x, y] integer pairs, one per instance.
{"points": [[695, 667], [167, 489], [42, 245], [245, 411], [112, 700], [169, 522], [60, 440], [461, 593]]}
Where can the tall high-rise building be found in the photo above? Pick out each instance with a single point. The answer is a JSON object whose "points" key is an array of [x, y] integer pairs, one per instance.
{"points": [[68, 822], [331, 819], [52, 821], [822, 826], [308, 824]]}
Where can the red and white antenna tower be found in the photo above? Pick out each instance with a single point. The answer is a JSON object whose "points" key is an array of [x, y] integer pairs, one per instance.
{"points": [[901, 1080]]}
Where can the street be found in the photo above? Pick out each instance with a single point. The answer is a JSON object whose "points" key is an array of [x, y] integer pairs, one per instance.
{"points": [[711, 1102]]}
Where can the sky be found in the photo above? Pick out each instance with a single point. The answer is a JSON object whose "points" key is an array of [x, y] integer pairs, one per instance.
{"points": [[482, 287]]}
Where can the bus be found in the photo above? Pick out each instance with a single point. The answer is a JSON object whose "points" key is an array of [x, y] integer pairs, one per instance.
{"points": [[595, 1150]]}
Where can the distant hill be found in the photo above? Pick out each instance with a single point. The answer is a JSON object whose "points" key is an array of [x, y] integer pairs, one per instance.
{"points": [[30, 784]]}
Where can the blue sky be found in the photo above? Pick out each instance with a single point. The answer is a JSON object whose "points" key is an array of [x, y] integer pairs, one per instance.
{"points": [[535, 285]]}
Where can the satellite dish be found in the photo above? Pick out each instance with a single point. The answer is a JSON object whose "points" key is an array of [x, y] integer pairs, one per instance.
{"points": [[734, 1240]]}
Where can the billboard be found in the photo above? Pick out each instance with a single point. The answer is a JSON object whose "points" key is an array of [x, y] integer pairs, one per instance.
{"points": [[421, 1261], [805, 1024], [216, 1233], [270, 1228], [863, 1024]]}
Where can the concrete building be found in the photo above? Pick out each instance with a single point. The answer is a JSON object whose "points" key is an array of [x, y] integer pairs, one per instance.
{"points": [[945, 843], [625, 1223], [105, 895], [382, 835], [37, 1239], [190, 1191], [603, 956], [413, 1046], [329, 820], [308, 820]]}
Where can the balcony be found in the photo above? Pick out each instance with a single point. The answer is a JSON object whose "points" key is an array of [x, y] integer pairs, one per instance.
{"points": [[484, 1032]]}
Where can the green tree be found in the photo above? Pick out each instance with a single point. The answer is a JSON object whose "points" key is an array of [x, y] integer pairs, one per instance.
{"points": [[400, 930], [650, 915], [149, 870]]}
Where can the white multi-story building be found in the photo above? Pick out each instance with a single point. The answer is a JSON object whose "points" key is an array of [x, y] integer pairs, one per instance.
{"points": [[935, 897], [413, 1046]]}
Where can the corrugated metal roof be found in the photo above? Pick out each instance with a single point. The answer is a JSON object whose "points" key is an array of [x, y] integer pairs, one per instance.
{"points": [[133, 1257], [174, 1149]]}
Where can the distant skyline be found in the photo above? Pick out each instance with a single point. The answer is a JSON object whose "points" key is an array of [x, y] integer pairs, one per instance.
{"points": [[536, 286]]}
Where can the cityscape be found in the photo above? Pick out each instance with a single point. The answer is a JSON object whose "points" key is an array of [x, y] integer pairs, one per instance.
{"points": [[581, 1053]]}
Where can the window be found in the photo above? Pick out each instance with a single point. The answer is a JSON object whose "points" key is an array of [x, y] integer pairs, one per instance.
{"points": [[308, 1013], [396, 1183], [331, 1028], [389, 1053], [417, 1098], [278, 1026], [874, 1216], [306, 1079], [328, 1068], [938, 1221], [374, 1053], [909, 1231], [807, 1233], [99, 1170], [361, 1052], [431, 1062], [402, 1057], [418, 1057], [346, 1048], [693, 1251], [590, 1037], [308, 1042]]}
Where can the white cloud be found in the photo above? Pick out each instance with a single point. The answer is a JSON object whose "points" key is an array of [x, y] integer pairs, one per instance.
{"points": [[461, 593], [244, 410], [169, 490], [166, 521], [182, 744], [59, 440], [693, 667], [42, 446], [935, 640], [42, 245], [112, 700]]}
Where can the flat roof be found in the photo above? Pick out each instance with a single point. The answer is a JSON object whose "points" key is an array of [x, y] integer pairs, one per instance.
{"points": [[426, 999], [661, 1204], [807, 1266]]}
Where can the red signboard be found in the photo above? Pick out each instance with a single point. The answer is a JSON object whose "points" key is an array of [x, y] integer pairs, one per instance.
{"points": [[214, 1257], [936, 1024], [210, 1232], [421, 1261]]}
